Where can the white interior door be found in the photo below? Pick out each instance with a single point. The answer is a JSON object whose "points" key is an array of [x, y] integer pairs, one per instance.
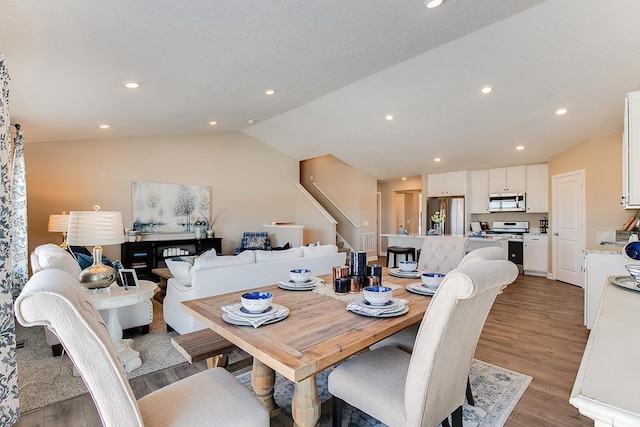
{"points": [[568, 227]]}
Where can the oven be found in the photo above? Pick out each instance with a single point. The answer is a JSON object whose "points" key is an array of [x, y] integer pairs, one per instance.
{"points": [[514, 232]]}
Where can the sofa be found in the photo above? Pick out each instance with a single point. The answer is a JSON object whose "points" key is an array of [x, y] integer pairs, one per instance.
{"points": [[210, 275], [53, 256]]}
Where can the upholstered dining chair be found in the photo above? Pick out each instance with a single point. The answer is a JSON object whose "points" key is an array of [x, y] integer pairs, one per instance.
{"points": [[423, 388], [441, 254], [212, 397]]}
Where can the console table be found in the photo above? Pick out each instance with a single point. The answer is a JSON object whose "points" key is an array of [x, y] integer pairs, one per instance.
{"points": [[146, 255]]}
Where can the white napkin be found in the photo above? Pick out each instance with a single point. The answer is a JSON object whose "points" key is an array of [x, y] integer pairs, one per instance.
{"points": [[232, 312], [398, 305]]}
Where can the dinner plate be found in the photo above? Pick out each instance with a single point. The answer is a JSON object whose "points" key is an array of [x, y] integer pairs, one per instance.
{"points": [[626, 282], [244, 312], [366, 304], [284, 285], [239, 322], [396, 272], [392, 314], [421, 290]]}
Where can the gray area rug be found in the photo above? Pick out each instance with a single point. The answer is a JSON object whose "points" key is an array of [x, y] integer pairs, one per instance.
{"points": [[496, 392], [38, 379]]}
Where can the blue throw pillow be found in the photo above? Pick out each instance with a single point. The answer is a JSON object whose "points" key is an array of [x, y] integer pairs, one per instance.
{"points": [[87, 261]]}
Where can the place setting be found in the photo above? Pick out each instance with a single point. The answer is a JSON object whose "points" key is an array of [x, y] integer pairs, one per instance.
{"points": [[406, 270], [300, 280], [254, 309], [429, 285], [377, 301]]}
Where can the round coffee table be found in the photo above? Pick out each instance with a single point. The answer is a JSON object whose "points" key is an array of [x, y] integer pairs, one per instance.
{"points": [[110, 302]]}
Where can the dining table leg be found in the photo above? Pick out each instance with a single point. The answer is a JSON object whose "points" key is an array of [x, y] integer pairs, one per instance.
{"points": [[262, 381], [305, 407]]}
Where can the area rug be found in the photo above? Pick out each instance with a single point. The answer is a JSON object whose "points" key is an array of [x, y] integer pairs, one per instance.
{"points": [[44, 379], [496, 391]]}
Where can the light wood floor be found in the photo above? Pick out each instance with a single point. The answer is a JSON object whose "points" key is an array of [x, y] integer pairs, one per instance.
{"points": [[535, 327]]}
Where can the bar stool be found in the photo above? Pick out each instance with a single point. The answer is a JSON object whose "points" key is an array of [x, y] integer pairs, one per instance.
{"points": [[400, 250]]}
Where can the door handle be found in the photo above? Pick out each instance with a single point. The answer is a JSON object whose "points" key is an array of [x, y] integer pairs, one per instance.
{"points": [[555, 234]]}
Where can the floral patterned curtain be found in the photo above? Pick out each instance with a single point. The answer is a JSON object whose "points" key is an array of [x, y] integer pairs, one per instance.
{"points": [[9, 405]]}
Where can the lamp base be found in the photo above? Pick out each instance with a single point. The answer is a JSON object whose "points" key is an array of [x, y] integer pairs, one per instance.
{"points": [[98, 275]]}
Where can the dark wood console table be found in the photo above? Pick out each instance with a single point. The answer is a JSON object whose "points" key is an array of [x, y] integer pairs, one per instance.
{"points": [[144, 256]]}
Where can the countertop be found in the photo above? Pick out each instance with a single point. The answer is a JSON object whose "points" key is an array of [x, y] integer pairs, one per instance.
{"points": [[603, 249]]}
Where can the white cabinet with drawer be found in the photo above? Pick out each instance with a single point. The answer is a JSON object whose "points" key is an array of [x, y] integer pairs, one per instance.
{"points": [[535, 255]]}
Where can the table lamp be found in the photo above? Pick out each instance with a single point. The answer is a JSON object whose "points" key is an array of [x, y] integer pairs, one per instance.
{"points": [[59, 223], [96, 228]]}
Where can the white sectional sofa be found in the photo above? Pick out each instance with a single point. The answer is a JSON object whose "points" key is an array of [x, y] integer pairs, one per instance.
{"points": [[211, 275]]}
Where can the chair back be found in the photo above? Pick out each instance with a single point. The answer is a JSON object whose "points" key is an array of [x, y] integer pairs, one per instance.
{"points": [[441, 254], [447, 338], [487, 253], [55, 299]]}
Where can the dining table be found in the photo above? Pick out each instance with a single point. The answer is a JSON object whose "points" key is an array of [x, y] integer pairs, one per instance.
{"points": [[318, 333]]}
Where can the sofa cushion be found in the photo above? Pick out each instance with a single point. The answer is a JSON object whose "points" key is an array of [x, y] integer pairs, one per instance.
{"points": [[308, 251], [53, 256], [266, 256], [181, 267], [246, 257]]}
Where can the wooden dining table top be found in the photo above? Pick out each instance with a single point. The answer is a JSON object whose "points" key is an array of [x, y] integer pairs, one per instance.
{"points": [[318, 332]]}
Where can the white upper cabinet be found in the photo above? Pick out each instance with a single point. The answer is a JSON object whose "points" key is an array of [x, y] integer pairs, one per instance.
{"points": [[537, 189], [507, 180], [479, 192], [631, 152], [447, 184]]}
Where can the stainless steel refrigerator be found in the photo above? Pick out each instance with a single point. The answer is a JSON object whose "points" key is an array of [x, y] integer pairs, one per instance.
{"points": [[453, 208]]}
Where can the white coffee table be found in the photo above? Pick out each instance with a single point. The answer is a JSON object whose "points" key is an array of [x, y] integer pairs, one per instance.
{"points": [[110, 302]]}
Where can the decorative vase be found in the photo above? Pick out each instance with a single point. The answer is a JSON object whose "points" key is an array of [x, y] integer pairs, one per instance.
{"points": [[438, 228]]}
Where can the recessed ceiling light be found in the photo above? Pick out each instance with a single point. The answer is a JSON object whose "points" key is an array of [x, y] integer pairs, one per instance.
{"points": [[404, 178], [389, 117], [437, 159], [486, 89], [250, 121], [433, 3], [520, 147], [132, 85], [561, 111], [213, 123], [269, 91], [104, 126]]}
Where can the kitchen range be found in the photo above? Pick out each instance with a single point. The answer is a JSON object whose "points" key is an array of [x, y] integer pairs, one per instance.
{"points": [[507, 234]]}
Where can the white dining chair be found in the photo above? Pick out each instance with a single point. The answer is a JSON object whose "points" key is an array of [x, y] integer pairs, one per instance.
{"points": [[54, 299], [423, 388]]}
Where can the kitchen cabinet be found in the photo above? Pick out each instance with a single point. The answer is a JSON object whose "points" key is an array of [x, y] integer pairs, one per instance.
{"points": [[507, 180], [598, 266], [631, 152], [537, 197], [447, 184], [478, 192], [535, 253]]}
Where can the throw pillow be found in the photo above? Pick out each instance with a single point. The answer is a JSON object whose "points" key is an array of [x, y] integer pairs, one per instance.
{"points": [[266, 256], [318, 250], [256, 243], [181, 267], [313, 245], [86, 261], [281, 248], [246, 257]]}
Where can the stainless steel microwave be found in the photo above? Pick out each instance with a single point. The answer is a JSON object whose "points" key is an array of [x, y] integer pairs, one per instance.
{"points": [[507, 202]]}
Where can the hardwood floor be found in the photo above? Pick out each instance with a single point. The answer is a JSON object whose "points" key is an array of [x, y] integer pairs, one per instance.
{"points": [[535, 327]]}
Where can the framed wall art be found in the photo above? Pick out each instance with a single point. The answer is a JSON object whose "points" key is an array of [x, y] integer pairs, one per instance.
{"points": [[169, 208]]}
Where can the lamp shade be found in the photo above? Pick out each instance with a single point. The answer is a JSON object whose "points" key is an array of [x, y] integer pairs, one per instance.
{"points": [[58, 223], [95, 228]]}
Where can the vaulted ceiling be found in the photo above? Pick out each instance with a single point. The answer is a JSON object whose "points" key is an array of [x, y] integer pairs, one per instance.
{"points": [[338, 68]]}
